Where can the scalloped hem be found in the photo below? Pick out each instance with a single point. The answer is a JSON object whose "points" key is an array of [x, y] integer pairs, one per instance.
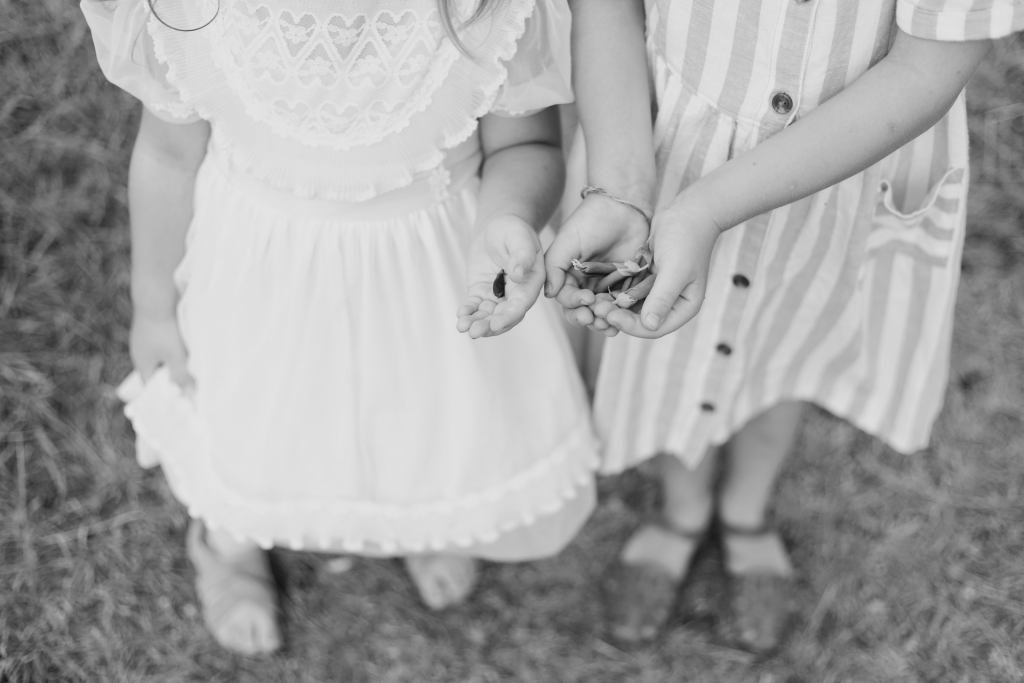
{"points": [[169, 433]]}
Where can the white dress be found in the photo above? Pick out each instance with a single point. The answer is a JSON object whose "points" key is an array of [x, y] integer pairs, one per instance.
{"points": [[336, 406]]}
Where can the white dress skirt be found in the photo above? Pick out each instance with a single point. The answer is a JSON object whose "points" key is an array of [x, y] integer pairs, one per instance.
{"points": [[336, 407]]}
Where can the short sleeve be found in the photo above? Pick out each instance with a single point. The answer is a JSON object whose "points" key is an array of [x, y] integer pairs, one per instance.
{"points": [[957, 20], [125, 51], [539, 73]]}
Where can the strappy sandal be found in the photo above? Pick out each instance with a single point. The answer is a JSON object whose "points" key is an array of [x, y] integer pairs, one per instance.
{"points": [[225, 584], [639, 598], [761, 598]]}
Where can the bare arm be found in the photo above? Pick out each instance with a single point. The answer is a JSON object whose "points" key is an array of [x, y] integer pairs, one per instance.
{"points": [[901, 97], [161, 181], [906, 93], [614, 103], [613, 97], [523, 173], [522, 181]]}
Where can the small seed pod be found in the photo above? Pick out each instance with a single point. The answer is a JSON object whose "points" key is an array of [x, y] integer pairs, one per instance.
{"points": [[498, 288], [593, 267], [628, 297], [610, 280]]}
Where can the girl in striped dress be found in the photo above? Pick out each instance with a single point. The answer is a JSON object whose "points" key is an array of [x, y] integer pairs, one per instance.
{"points": [[807, 174]]}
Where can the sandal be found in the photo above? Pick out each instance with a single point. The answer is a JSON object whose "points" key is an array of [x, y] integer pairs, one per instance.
{"points": [[639, 597], [761, 595], [227, 585]]}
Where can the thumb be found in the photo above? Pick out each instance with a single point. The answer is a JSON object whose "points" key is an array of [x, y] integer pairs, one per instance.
{"points": [[557, 262], [673, 276], [177, 365], [520, 262]]}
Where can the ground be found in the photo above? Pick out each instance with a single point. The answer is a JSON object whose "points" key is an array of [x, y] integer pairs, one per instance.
{"points": [[912, 567]]}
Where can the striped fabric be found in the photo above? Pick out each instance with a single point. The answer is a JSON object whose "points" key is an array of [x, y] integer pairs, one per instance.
{"points": [[845, 298]]}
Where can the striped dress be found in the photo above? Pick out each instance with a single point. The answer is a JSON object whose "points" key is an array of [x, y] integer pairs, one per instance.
{"points": [[844, 299]]}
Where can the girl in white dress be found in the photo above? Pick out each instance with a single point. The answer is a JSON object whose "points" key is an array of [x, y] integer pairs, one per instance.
{"points": [[311, 183]]}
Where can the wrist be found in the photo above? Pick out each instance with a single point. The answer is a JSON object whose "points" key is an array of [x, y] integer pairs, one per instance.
{"points": [[151, 299], [617, 207], [702, 200], [635, 185]]}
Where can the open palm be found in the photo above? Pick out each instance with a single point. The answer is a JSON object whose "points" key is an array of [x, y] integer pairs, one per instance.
{"points": [[506, 244]]}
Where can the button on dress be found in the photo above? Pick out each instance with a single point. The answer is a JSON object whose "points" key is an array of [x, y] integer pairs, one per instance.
{"points": [[844, 299]]}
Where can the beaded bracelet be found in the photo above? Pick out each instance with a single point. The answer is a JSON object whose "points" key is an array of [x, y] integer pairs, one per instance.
{"points": [[590, 189]]}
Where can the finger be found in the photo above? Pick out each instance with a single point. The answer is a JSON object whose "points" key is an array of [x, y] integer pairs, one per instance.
{"points": [[570, 316], [558, 261], [520, 263], [574, 296], [178, 367], [583, 316], [603, 307], [690, 299], [610, 332], [629, 322], [674, 274], [479, 329], [145, 364], [469, 308], [599, 324], [466, 321]]}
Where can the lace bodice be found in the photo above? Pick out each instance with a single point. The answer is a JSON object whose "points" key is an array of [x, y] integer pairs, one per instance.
{"points": [[344, 99], [289, 67]]}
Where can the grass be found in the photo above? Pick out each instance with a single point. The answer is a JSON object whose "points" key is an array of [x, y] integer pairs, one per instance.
{"points": [[912, 568]]}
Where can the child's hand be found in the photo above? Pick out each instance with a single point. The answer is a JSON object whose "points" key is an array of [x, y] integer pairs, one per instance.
{"points": [[155, 340], [599, 229], [682, 238], [507, 243]]}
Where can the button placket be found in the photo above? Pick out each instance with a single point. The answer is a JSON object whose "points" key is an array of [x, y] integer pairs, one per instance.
{"points": [[717, 397]]}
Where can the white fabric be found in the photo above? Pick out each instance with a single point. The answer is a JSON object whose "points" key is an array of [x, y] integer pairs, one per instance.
{"points": [[124, 50], [373, 91], [336, 407]]}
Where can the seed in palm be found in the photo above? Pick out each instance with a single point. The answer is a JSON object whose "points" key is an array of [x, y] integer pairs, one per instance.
{"points": [[498, 288]]}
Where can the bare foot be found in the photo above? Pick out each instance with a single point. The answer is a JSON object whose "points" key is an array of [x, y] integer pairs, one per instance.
{"points": [[236, 591], [442, 580]]}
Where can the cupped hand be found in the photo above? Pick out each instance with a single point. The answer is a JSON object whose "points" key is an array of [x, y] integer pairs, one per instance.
{"points": [[155, 340], [683, 237], [510, 244], [600, 229]]}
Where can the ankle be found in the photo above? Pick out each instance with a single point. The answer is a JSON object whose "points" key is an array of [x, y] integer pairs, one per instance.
{"points": [[756, 554], [692, 516], [738, 513]]}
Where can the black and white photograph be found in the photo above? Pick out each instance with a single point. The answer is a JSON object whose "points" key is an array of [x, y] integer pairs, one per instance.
{"points": [[527, 341]]}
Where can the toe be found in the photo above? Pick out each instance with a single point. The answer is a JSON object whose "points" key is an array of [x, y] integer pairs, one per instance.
{"points": [[235, 636], [264, 633]]}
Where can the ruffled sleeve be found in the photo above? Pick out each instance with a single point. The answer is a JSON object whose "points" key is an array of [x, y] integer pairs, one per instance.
{"points": [[539, 73], [124, 49], [956, 20]]}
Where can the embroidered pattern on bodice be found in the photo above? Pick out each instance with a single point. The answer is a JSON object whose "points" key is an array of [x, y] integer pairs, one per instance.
{"points": [[339, 80]]}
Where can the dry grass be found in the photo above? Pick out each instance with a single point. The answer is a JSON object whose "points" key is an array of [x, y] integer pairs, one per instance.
{"points": [[913, 567]]}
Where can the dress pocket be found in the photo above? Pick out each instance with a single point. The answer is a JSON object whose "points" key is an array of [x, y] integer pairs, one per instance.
{"points": [[922, 193], [930, 231]]}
